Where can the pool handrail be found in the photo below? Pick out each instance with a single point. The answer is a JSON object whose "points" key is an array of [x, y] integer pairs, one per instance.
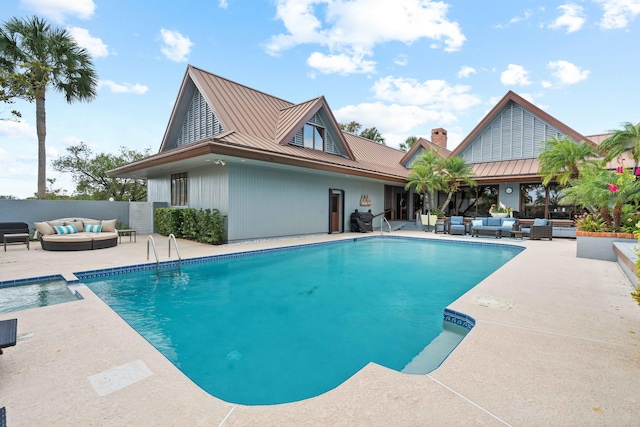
{"points": [[153, 243], [382, 221], [171, 236]]}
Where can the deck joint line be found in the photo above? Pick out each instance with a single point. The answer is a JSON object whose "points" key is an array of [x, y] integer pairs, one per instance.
{"points": [[227, 416], [556, 333], [470, 401]]}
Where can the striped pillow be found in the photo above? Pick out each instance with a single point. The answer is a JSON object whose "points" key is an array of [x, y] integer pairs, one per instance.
{"points": [[65, 229], [92, 228]]}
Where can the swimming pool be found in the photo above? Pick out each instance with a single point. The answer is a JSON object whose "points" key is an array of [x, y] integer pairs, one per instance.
{"points": [[286, 325], [15, 297]]}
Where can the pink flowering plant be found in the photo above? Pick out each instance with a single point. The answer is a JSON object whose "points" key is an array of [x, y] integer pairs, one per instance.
{"points": [[610, 196]]}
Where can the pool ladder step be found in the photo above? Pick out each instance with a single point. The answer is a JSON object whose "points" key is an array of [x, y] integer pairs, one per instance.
{"points": [[152, 243]]}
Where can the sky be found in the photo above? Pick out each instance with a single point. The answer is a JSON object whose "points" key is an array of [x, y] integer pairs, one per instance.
{"points": [[402, 66]]}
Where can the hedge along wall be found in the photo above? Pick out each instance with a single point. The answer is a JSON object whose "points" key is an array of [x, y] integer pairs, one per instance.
{"points": [[207, 226]]}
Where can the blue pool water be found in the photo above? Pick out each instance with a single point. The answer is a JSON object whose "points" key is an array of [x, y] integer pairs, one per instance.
{"points": [[284, 326], [31, 295]]}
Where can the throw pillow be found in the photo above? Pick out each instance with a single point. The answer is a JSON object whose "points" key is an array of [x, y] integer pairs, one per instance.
{"points": [[109, 225], [76, 224], [508, 224], [65, 229], [91, 228], [476, 223], [44, 229], [539, 221]]}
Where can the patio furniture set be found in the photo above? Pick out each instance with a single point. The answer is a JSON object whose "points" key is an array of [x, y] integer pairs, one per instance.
{"points": [[498, 227]]}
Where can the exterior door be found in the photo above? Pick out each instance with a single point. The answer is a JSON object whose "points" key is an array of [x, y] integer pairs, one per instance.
{"points": [[335, 213]]}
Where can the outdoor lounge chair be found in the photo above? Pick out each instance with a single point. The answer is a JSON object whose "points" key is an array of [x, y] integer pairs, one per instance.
{"points": [[540, 229], [8, 331], [456, 225], [429, 221]]}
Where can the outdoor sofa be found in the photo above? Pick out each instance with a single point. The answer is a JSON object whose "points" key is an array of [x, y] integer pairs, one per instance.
{"points": [[77, 234], [498, 227]]}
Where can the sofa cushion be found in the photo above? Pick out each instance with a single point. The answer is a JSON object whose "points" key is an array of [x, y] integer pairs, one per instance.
{"points": [[104, 236], [476, 223], [91, 221], [65, 229], [67, 237], [44, 229], [457, 220], [108, 225], [508, 223], [539, 221], [93, 228], [483, 219], [494, 222], [77, 224]]}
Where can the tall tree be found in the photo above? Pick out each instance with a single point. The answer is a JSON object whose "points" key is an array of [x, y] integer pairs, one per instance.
{"points": [[351, 127], [35, 56], [562, 159], [455, 171], [89, 172], [373, 134], [408, 143], [622, 140]]}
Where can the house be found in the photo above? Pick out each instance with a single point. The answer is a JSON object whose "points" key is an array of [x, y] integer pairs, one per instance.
{"points": [[276, 168], [273, 167]]}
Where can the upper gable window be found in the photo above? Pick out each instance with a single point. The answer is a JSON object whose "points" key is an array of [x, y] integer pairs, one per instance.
{"points": [[313, 137]]}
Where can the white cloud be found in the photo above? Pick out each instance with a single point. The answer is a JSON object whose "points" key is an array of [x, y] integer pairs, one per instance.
{"points": [[342, 63], [436, 94], [58, 10], [406, 106], [401, 60], [618, 13], [466, 71], [354, 27], [546, 84], [93, 45], [22, 129], [515, 75], [527, 15], [137, 88], [568, 73], [176, 47], [572, 17], [223, 4]]}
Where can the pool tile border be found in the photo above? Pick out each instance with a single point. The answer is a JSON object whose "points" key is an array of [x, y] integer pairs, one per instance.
{"points": [[458, 318], [17, 282], [165, 265]]}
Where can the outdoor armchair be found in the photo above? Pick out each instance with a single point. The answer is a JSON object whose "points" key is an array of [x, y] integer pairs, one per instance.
{"points": [[455, 225], [540, 229]]}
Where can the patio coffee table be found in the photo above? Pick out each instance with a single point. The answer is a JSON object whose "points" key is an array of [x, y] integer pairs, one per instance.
{"points": [[486, 231], [16, 238]]}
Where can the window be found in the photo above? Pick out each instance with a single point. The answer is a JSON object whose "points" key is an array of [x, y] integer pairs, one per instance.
{"points": [[179, 189], [313, 137]]}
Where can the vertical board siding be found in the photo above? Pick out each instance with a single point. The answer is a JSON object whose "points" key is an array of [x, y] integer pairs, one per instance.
{"points": [[515, 133], [209, 188], [159, 189], [273, 202]]}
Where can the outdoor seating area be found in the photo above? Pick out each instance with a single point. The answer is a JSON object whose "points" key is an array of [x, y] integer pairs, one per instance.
{"points": [[77, 234], [489, 226]]}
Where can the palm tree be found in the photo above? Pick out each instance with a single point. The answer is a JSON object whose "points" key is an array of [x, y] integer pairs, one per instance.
{"points": [[40, 56], [408, 143], [622, 140], [562, 159], [425, 177], [455, 172], [373, 134]]}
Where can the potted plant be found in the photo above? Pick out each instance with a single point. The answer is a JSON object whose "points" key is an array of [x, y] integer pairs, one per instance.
{"points": [[500, 211]]}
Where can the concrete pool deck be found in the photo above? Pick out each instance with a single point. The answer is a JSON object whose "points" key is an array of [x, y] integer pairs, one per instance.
{"points": [[557, 342]]}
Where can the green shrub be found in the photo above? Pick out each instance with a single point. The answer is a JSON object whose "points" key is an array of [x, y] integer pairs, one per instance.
{"points": [[206, 226]]}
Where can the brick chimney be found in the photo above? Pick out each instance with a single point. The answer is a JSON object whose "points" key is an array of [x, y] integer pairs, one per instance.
{"points": [[439, 137]]}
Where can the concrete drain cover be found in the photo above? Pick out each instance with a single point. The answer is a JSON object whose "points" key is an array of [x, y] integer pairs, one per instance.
{"points": [[493, 302]]}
